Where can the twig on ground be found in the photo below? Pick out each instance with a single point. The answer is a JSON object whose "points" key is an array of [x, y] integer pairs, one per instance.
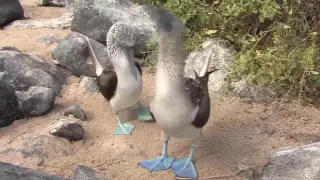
{"points": [[301, 85], [291, 87]]}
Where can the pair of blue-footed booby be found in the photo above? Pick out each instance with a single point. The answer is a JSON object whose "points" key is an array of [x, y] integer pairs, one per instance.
{"points": [[121, 86], [181, 105]]}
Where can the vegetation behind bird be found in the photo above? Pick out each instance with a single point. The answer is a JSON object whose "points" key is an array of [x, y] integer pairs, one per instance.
{"points": [[277, 40]]}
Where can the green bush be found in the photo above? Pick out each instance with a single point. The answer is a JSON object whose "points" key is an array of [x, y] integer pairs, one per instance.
{"points": [[277, 40]]}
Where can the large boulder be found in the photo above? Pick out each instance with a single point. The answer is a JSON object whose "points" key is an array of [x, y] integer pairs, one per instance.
{"points": [[73, 53], [9, 107], [295, 164], [36, 82], [10, 10], [13, 172], [62, 22], [243, 89], [94, 18], [89, 22], [36, 101], [26, 70], [222, 58]]}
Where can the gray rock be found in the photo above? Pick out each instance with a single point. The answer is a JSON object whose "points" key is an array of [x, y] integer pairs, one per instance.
{"points": [[73, 53], [89, 22], [70, 130], [36, 101], [244, 90], [294, 164], [26, 71], [87, 84], [62, 22], [9, 107], [85, 173], [76, 111], [71, 4], [50, 39], [13, 172], [10, 10], [94, 18], [5, 77], [222, 58]]}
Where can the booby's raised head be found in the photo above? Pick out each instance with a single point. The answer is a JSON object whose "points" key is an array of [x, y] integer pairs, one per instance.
{"points": [[181, 105]]}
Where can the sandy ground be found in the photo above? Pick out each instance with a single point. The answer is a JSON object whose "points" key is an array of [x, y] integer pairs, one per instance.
{"points": [[238, 133]]}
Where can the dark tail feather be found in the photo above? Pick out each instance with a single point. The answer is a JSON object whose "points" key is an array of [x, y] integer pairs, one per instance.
{"points": [[212, 71]]}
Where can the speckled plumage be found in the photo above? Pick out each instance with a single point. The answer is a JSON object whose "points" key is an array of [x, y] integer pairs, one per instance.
{"points": [[120, 39], [123, 85]]}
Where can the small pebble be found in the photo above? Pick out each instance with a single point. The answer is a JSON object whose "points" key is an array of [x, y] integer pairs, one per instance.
{"points": [[87, 84], [70, 130], [40, 163], [76, 111], [83, 172]]}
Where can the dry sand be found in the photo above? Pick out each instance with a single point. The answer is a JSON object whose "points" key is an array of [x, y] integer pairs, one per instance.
{"points": [[238, 133]]}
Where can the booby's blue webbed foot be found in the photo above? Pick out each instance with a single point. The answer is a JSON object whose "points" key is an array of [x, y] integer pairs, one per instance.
{"points": [[158, 163], [184, 167], [162, 162], [144, 113], [123, 128]]}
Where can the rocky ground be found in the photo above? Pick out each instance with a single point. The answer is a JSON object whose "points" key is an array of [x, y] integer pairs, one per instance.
{"points": [[240, 132]]}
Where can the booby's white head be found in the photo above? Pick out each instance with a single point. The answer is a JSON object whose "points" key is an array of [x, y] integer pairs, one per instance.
{"points": [[120, 40]]}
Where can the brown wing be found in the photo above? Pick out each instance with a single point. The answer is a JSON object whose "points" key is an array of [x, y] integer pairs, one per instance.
{"points": [[137, 64], [198, 94], [108, 82]]}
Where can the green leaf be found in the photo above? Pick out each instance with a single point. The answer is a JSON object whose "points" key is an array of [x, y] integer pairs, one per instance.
{"points": [[314, 33], [286, 27], [210, 32], [252, 39]]}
